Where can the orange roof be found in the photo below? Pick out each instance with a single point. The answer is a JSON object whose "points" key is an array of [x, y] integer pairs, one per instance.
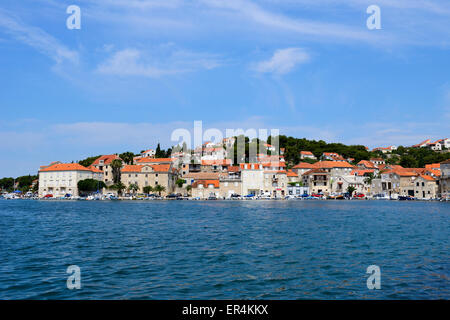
{"points": [[161, 167], [65, 167], [155, 167], [291, 173], [433, 166], [305, 165], [94, 169], [274, 164], [131, 168], [367, 164], [404, 173], [107, 159], [333, 164], [233, 169], [361, 172], [206, 183], [376, 159], [306, 153], [315, 171], [222, 162], [154, 160], [437, 173], [427, 177], [422, 143]]}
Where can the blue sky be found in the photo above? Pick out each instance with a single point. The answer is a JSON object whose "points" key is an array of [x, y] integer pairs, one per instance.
{"points": [[136, 70]]}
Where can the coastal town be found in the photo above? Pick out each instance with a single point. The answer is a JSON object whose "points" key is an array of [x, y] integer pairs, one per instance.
{"points": [[210, 172]]}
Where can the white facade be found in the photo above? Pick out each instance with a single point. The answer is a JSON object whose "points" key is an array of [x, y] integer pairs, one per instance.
{"points": [[60, 183], [252, 177]]}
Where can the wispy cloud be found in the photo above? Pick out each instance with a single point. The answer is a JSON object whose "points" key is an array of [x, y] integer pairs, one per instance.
{"points": [[134, 62], [36, 38], [283, 61], [258, 14]]}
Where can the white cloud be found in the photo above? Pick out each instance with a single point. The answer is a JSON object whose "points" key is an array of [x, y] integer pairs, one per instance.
{"points": [[37, 38], [133, 62], [283, 61]]}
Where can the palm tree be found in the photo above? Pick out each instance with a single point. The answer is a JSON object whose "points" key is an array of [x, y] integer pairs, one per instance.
{"points": [[116, 165], [350, 190], [159, 188], [119, 187], [369, 178], [148, 189], [133, 187]]}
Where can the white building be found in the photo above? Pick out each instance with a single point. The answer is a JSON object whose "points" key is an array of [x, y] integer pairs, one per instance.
{"points": [[62, 178], [252, 175]]}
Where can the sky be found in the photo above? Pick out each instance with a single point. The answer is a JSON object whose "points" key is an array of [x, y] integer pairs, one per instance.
{"points": [[138, 69]]}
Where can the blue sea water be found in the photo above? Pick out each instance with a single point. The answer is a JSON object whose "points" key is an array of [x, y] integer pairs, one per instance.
{"points": [[224, 249]]}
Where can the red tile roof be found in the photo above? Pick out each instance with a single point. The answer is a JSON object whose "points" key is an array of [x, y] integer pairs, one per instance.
{"points": [[65, 167], [367, 164], [333, 164], [107, 159], [305, 165], [427, 177], [291, 173], [222, 162], [206, 183]]}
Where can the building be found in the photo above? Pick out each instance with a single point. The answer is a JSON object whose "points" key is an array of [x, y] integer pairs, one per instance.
{"points": [[204, 189], [307, 155], [422, 144], [425, 187], [103, 164], [302, 167], [230, 184], [150, 175], [215, 165], [385, 149], [440, 144], [367, 165], [252, 175], [150, 153], [60, 179], [318, 181], [377, 161], [444, 181], [292, 176]]}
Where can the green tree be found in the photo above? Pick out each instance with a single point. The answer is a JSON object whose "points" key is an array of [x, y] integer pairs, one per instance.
{"points": [[127, 157], [180, 183], [116, 166], [90, 185], [189, 189], [350, 190], [158, 152], [88, 161], [148, 189], [119, 187], [369, 179], [159, 188], [133, 187], [7, 184]]}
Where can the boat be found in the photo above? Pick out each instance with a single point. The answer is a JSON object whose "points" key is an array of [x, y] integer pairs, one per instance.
{"points": [[405, 198]]}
